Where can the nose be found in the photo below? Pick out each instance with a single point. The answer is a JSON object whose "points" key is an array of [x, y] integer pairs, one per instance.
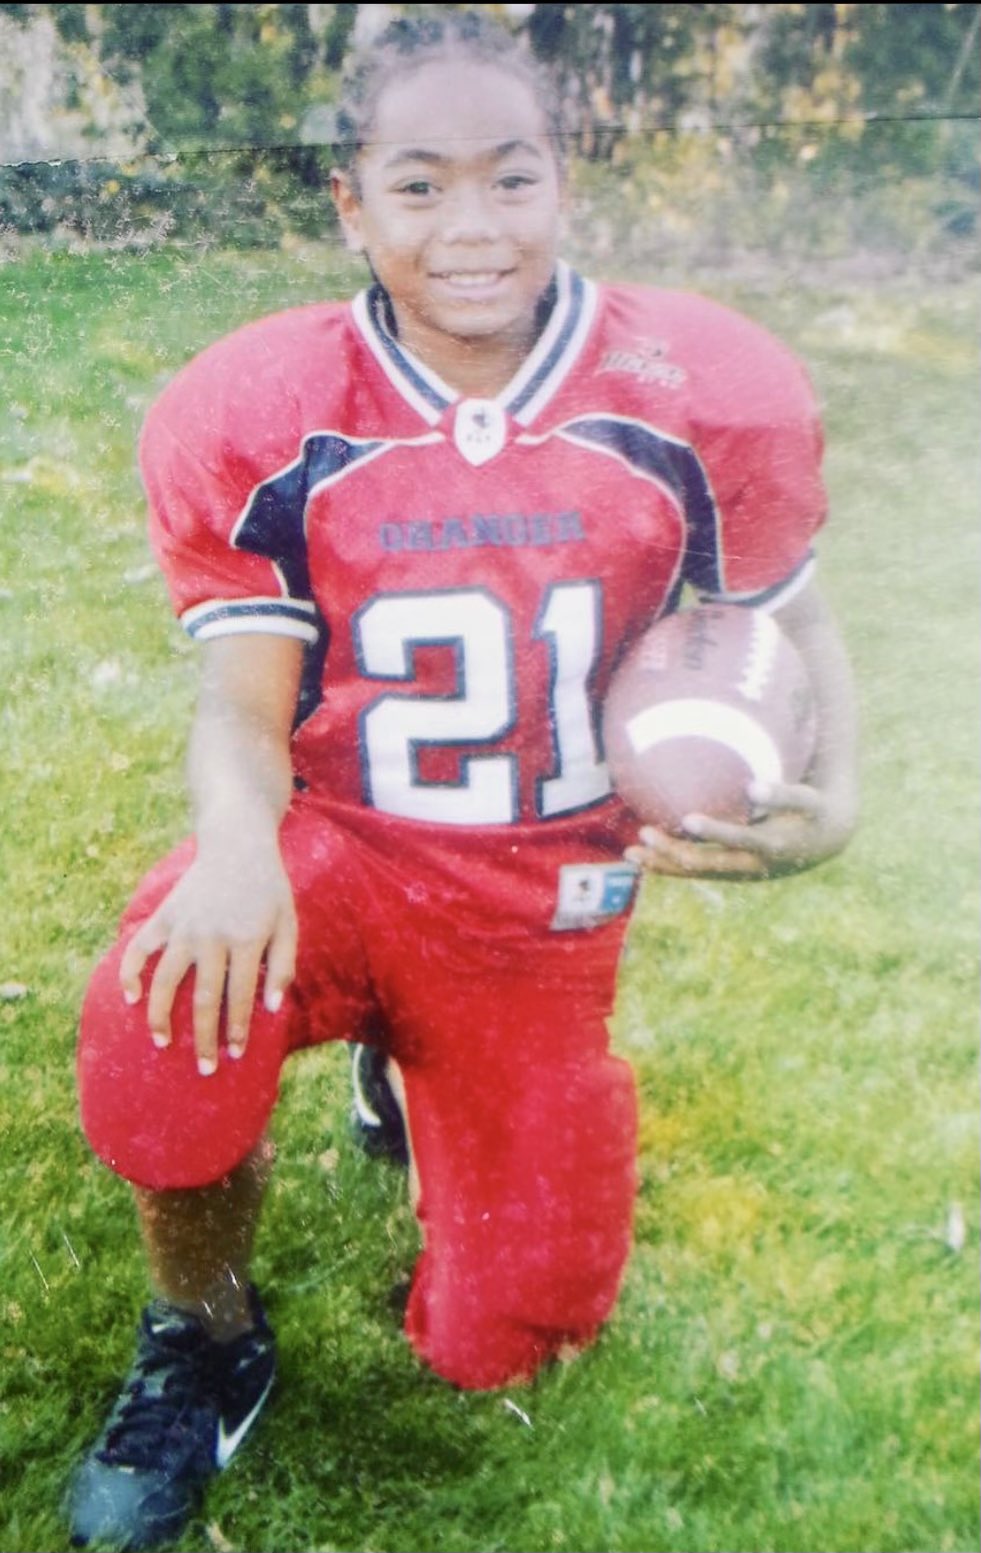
{"points": [[469, 215]]}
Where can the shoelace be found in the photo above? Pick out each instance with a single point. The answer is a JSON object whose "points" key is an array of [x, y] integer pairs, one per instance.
{"points": [[160, 1394]]}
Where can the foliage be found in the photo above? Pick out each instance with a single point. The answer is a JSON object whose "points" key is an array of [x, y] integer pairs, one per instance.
{"points": [[201, 197], [246, 72], [828, 128], [655, 65], [794, 1361], [226, 74], [778, 201], [742, 111]]}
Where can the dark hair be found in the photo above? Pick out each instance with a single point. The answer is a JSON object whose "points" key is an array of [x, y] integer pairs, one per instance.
{"points": [[409, 43]]}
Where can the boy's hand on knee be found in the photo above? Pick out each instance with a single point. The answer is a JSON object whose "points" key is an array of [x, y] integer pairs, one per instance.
{"points": [[221, 930]]}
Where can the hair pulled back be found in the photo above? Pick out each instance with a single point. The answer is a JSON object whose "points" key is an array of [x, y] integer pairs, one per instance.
{"points": [[411, 42]]}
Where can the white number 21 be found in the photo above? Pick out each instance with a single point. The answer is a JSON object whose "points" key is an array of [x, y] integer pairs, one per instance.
{"points": [[483, 707]]}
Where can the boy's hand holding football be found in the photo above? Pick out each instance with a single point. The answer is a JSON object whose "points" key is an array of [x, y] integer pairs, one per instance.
{"points": [[802, 826], [796, 825]]}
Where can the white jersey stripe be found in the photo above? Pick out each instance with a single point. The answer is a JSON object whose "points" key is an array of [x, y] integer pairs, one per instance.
{"points": [[546, 341], [273, 617], [286, 606], [369, 329], [581, 321]]}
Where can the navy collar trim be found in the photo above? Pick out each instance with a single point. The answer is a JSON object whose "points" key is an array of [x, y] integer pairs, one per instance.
{"points": [[568, 306]]}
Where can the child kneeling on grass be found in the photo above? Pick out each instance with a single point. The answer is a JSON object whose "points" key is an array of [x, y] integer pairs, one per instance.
{"points": [[414, 533]]}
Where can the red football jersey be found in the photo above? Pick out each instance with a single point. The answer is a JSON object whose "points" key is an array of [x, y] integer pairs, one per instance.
{"points": [[465, 572]]}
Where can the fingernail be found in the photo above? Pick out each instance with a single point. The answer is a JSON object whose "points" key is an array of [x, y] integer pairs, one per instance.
{"points": [[274, 999], [759, 792], [130, 997], [236, 1050], [160, 1041], [207, 1066], [692, 823]]}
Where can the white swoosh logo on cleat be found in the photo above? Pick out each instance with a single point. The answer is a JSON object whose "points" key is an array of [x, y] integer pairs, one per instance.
{"points": [[227, 1444], [362, 1105]]}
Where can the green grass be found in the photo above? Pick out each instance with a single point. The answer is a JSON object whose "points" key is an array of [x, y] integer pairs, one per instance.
{"points": [[793, 1364]]}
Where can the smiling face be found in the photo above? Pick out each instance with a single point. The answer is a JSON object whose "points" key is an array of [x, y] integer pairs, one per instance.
{"points": [[457, 207]]}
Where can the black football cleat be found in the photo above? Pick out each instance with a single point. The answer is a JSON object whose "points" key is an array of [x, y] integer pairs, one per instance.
{"points": [[376, 1120], [185, 1407]]}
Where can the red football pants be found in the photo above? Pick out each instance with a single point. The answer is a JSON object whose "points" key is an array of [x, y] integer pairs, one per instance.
{"points": [[522, 1123]]}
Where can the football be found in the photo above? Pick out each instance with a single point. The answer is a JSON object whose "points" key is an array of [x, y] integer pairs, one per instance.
{"points": [[708, 701]]}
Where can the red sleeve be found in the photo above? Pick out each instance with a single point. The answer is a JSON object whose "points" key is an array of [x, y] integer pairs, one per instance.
{"points": [[756, 430], [221, 429]]}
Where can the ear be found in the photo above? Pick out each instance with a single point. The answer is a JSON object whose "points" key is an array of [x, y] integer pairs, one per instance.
{"points": [[348, 208]]}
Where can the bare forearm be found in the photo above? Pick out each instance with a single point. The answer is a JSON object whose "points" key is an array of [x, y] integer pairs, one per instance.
{"points": [[239, 774], [239, 767], [233, 909]]}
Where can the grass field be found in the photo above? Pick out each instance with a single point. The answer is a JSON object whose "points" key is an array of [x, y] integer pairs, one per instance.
{"points": [[794, 1361]]}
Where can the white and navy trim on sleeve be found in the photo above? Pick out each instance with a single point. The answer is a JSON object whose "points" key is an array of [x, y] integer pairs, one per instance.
{"points": [[773, 598], [272, 616], [272, 524]]}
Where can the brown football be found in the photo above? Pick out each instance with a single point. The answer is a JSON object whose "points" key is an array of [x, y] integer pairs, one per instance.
{"points": [[708, 701]]}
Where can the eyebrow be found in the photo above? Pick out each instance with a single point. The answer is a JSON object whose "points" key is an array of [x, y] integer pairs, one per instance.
{"points": [[437, 159]]}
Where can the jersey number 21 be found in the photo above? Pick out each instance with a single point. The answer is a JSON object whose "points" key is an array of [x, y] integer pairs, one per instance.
{"points": [[482, 709]]}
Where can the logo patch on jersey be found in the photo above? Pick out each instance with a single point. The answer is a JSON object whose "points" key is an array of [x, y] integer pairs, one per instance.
{"points": [[646, 361], [591, 893], [479, 429]]}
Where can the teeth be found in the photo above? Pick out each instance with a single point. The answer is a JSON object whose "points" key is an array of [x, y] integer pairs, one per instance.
{"points": [[471, 278]]}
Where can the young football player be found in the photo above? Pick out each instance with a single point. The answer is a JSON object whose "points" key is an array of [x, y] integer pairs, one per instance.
{"points": [[413, 534]]}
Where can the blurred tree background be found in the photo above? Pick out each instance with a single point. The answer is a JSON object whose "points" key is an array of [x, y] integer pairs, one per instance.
{"points": [[738, 133]]}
